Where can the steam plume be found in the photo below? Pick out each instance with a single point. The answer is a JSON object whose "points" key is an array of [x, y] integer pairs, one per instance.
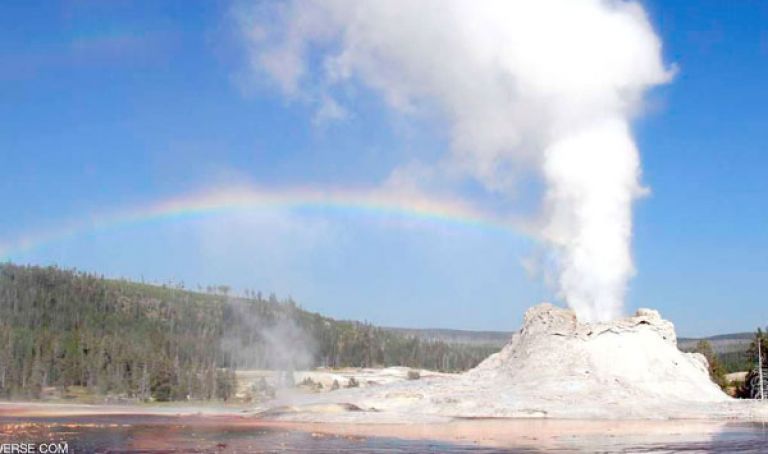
{"points": [[544, 85]]}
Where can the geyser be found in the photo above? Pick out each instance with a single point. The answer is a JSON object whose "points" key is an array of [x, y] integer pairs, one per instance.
{"points": [[634, 359], [558, 367], [549, 86]]}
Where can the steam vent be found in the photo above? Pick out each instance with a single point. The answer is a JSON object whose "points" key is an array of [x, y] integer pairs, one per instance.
{"points": [[553, 367]]}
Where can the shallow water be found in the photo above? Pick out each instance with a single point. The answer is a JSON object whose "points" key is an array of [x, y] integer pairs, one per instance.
{"points": [[734, 438], [210, 434]]}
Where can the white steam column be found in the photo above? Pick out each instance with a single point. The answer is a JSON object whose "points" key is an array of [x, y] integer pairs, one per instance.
{"points": [[548, 87]]}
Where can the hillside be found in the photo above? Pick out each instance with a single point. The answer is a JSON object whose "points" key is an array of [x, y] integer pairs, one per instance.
{"points": [[61, 328]]}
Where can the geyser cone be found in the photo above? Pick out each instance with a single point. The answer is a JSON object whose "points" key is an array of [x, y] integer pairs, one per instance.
{"points": [[556, 356]]}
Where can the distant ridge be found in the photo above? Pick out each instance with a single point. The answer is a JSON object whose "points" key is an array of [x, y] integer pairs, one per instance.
{"points": [[721, 343], [456, 336]]}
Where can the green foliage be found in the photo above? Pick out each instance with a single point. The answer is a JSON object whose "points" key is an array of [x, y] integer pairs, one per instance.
{"points": [[65, 328], [750, 388], [716, 371], [225, 384], [734, 361], [762, 338], [161, 387]]}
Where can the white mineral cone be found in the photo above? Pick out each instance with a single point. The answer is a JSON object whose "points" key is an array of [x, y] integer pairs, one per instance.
{"points": [[555, 355]]}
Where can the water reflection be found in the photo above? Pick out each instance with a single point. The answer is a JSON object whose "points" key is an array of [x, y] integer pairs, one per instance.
{"points": [[223, 434]]}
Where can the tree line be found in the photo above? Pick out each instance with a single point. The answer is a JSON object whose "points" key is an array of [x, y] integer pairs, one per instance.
{"points": [[737, 361]]}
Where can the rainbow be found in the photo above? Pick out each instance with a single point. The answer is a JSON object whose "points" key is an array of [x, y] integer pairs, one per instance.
{"points": [[242, 199]]}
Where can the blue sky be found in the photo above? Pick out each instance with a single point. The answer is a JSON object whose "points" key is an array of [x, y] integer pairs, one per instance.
{"points": [[109, 105]]}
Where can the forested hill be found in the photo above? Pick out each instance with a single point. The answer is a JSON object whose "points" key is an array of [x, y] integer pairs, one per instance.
{"points": [[65, 328]]}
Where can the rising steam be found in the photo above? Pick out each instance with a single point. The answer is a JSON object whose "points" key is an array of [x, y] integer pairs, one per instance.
{"points": [[544, 85]]}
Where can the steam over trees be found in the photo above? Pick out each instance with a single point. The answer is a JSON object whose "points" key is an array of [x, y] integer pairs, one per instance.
{"points": [[63, 328]]}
